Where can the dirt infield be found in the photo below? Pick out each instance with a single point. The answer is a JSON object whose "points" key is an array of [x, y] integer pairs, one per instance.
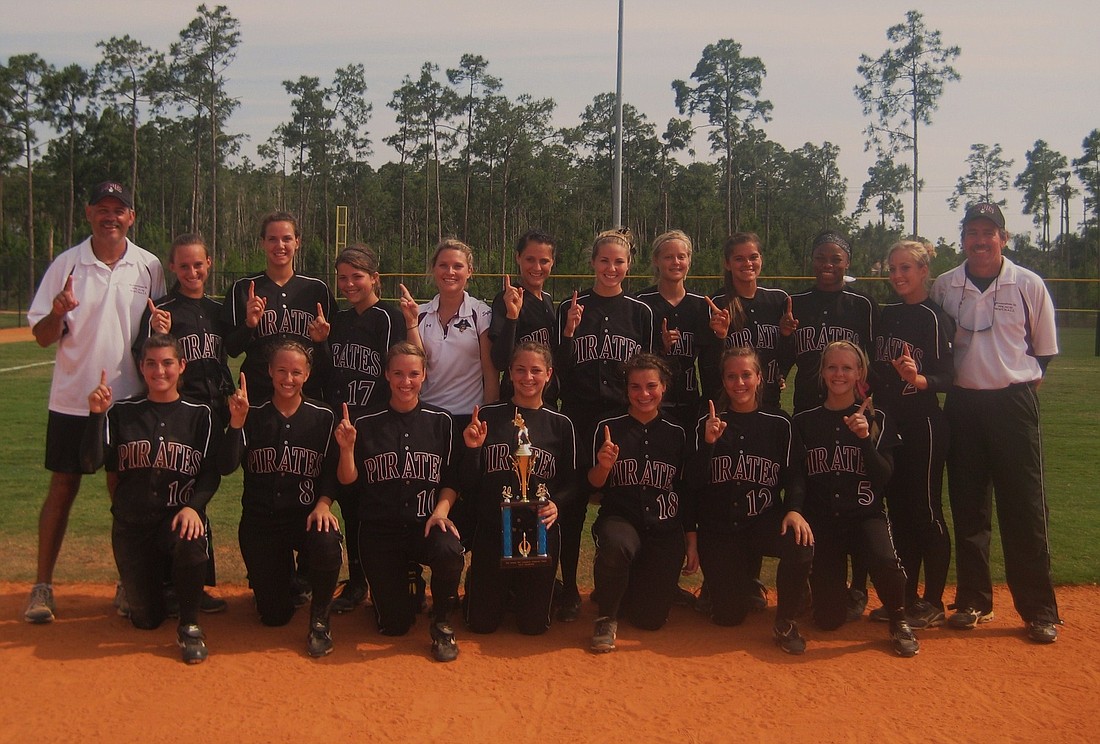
{"points": [[90, 676], [12, 335]]}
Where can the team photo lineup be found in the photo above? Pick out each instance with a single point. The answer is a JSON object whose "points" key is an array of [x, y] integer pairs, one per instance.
{"points": [[468, 426]]}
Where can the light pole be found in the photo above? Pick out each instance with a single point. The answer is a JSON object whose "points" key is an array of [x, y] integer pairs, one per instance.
{"points": [[617, 174]]}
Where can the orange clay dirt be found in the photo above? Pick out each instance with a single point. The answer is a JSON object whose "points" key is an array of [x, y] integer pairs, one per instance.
{"points": [[90, 676]]}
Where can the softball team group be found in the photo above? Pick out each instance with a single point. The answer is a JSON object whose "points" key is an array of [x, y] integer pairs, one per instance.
{"points": [[669, 420]]}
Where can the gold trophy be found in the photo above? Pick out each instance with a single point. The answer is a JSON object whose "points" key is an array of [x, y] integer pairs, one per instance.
{"points": [[524, 519]]}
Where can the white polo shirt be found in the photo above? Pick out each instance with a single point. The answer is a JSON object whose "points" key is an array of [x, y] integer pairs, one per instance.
{"points": [[455, 381], [97, 334], [999, 332]]}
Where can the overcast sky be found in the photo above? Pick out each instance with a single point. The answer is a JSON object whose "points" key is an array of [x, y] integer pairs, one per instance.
{"points": [[1028, 72]]}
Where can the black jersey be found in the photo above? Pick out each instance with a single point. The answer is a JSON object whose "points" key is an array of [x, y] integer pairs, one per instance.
{"points": [[611, 331], [354, 358], [840, 481], [536, 322], [403, 460], [691, 317], [287, 463], [644, 485], [488, 469], [760, 332], [929, 332], [824, 317], [290, 309], [740, 476], [162, 453], [197, 325]]}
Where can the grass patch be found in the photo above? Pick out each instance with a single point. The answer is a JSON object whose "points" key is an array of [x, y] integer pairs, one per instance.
{"points": [[1070, 400]]}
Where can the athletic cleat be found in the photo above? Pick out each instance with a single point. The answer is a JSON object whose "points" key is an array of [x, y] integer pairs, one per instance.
{"points": [[923, 615], [40, 607], [968, 618], [210, 604], [1040, 631], [192, 643], [789, 639], [319, 641], [758, 598], [349, 597], [444, 646], [570, 609], [879, 615], [857, 603], [683, 598], [905, 642], [603, 637], [122, 606]]}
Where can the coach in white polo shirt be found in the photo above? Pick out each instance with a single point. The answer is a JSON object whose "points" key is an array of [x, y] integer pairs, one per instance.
{"points": [[1005, 336], [90, 302]]}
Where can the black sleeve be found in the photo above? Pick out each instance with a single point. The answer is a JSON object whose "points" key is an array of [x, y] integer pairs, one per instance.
{"points": [[92, 452], [793, 476], [237, 335], [232, 450], [880, 465], [502, 334], [208, 479]]}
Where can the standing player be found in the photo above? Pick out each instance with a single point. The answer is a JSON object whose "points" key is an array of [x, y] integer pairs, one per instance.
{"points": [[195, 321], [914, 362], [640, 541], [525, 313], [283, 446], [1004, 340], [744, 458], [402, 462], [598, 331], [848, 462], [682, 318], [827, 312], [276, 305], [351, 365], [89, 302], [744, 314], [491, 439], [159, 448]]}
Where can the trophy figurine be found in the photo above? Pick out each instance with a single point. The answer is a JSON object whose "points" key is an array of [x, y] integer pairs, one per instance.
{"points": [[519, 514]]}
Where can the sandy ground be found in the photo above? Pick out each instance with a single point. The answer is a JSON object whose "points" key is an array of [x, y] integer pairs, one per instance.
{"points": [[11, 335], [90, 676]]}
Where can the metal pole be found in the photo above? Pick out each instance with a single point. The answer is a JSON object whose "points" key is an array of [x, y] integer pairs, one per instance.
{"points": [[617, 175]]}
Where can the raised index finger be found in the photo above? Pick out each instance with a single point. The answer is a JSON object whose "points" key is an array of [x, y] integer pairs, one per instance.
{"points": [[507, 283], [863, 406], [244, 387], [712, 413], [906, 349], [474, 419], [320, 312], [346, 416], [574, 298], [69, 284], [103, 377], [606, 434], [713, 308], [252, 290], [152, 307], [790, 306]]}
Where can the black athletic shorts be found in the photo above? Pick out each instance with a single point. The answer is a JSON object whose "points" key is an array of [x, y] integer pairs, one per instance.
{"points": [[63, 436]]}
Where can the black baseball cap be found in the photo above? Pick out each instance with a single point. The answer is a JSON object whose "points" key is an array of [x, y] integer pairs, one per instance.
{"points": [[111, 188], [984, 211]]}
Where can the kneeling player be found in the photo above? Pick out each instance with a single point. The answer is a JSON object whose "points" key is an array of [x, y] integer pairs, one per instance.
{"points": [[744, 458], [157, 448], [402, 462], [283, 445]]}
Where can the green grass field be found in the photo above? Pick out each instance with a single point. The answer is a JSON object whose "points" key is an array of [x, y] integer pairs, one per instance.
{"points": [[1070, 398]]}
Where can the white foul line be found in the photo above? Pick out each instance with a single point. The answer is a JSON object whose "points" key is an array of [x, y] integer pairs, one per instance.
{"points": [[25, 366]]}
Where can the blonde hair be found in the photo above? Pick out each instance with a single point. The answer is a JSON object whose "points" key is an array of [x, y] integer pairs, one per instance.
{"points": [[620, 235], [453, 244], [666, 237]]}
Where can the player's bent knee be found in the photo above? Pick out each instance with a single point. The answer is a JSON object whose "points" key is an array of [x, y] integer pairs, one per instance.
{"points": [[324, 550]]}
